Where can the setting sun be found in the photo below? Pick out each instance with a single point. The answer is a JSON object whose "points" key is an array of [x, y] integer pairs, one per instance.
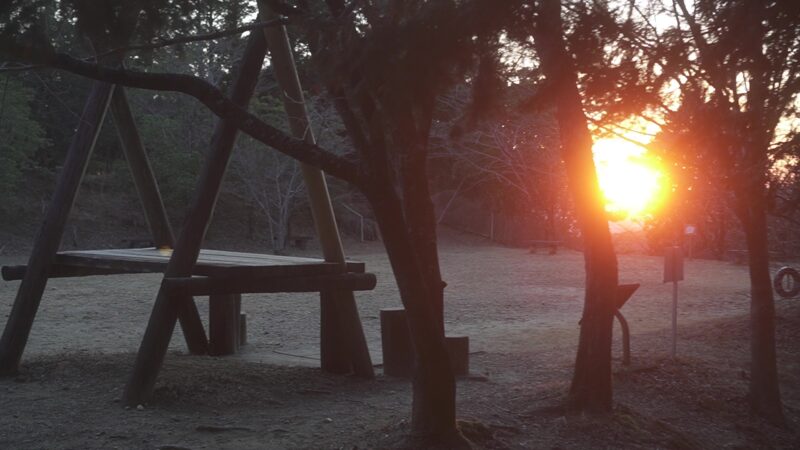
{"points": [[630, 180]]}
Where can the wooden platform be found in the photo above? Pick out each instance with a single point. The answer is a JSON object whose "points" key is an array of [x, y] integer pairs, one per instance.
{"points": [[221, 275], [211, 263]]}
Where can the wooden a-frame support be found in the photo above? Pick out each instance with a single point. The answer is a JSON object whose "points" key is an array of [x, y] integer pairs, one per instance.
{"points": [[48, 238], [344, 347], [342, 343]]}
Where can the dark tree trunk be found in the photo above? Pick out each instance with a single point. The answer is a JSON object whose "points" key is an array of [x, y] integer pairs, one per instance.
{"points": [[376, 122], [434, 388], [764, 392], [591, 388]]}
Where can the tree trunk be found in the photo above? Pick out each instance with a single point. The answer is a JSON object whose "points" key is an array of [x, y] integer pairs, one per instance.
{"points": [[591, 388], [433, 419], [281, 233], [764, 392]]}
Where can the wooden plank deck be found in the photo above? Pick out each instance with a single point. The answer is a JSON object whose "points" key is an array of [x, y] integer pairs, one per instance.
{"points": [[211, 263]]}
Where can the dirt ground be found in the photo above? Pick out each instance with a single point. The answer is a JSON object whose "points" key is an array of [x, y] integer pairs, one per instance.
{"points": [[519, 310]]}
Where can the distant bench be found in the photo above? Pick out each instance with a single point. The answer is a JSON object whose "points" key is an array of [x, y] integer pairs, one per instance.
{"points": [[741, 256], [137, 242], [300, 242], [552, 245]]}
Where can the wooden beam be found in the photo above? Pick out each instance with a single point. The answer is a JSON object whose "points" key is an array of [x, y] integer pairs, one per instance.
{"points": [[141, 170], [342, 341], [223, 324], [187, 248], [48, 239], [154, 211], [13, 273], [199, 286], [211, 263]]}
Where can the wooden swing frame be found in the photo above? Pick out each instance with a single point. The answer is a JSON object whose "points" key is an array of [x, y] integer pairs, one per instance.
{"points": [[188, 270]]}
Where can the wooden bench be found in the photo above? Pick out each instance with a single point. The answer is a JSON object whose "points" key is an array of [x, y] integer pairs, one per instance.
{"points": [[300, 242], [533, 245]]}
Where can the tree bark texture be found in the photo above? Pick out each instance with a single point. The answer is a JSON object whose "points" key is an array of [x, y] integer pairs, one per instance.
{"points": [[433, 407], [591, 388], [404, 214], [764, 392]]}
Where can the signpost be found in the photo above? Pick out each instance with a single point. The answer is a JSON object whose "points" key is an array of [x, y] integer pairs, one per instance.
{"points": [[673, 272], [690, 231]]}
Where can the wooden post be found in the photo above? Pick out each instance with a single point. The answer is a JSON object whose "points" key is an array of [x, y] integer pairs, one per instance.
{"points": [[242, 327], [674, 319], [458, 351], [342, 342], [142, 172], [154, 211], [398, 350], [187, 248], [673, 272], [48, 239], [223, 324]]}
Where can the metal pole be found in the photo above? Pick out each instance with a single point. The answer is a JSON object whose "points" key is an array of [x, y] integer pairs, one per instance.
{"points": [[674, 318]]}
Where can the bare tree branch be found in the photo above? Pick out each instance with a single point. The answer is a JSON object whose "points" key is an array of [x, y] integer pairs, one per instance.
{"points": [[337, 166], [8, 67], [162, 42]]}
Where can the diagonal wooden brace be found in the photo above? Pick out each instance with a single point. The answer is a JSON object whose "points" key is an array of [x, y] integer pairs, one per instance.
{"points": [[343, 346], [187, 249], [154, 211], [48, 239]]}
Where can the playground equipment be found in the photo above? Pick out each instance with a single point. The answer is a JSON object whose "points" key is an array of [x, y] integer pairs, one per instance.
{"points": [[188, 270], [787, 282]]}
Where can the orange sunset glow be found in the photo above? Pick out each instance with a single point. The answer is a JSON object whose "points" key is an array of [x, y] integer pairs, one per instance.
{"points": [[631, 180]]}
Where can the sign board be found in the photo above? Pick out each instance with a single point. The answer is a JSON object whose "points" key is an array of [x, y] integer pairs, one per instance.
{"points": [[624, 292], [673, 264]]}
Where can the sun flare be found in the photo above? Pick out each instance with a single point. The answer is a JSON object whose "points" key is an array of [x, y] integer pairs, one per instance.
{"points": [[629, 178]]}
